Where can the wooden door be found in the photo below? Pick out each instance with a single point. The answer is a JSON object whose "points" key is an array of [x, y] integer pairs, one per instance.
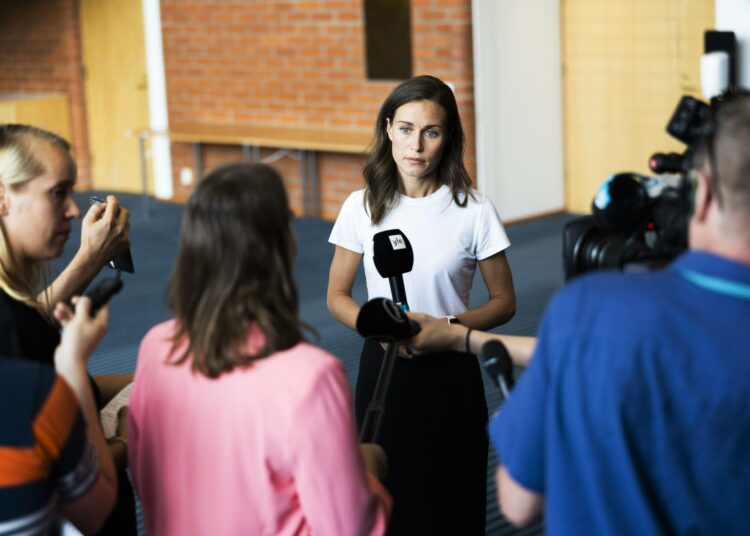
{"points": [[625, 65], [116, 90]]}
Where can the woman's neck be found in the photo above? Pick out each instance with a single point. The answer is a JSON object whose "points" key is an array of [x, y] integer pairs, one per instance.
{"points": [[417, 188]]}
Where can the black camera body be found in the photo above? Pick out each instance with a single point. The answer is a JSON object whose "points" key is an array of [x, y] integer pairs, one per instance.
{"points": [[637, 221]]}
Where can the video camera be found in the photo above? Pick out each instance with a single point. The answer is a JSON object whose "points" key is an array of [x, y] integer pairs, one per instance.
{"points": [[638, 221]]}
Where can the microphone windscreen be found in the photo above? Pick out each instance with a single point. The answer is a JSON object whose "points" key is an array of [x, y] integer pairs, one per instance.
{"points": [[621, 204], [496, 360], [392, 253], [383, 319]]}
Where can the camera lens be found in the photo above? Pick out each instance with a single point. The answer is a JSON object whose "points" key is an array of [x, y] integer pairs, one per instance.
{"points": [[599, 251]]}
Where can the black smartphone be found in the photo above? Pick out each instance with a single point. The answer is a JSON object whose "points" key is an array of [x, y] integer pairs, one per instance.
{"points": [[102, 292], [124, 261]]}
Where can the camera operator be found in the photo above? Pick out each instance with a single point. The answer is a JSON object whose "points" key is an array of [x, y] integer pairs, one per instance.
{"points": [[632, 417]]}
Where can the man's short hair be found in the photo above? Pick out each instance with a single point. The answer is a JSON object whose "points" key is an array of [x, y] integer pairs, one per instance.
{"points": [[731, 151]]}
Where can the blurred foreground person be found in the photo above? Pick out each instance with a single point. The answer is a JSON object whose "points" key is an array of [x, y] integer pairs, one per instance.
{"points": [[634, 414], [37, 177], [238, 426], [54, 460]]}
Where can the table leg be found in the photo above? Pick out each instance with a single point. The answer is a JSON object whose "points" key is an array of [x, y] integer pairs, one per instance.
{"points": [[145, 207], [198, 160], [313, 183]]}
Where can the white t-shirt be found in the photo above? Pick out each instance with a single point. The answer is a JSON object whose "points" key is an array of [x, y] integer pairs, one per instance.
{"points": [[447, 240]]}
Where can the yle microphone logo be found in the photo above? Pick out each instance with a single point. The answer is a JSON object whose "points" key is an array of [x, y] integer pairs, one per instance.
{"points": [[397, 241]]}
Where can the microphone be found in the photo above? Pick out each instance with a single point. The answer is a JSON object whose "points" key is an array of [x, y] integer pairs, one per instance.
{"points": [[621, 204], [666, 163], [393, 257], [382, 319], [496, 361]]}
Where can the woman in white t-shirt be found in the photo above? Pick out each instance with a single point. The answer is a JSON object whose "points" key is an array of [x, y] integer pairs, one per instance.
{"points": [[434, 428]]}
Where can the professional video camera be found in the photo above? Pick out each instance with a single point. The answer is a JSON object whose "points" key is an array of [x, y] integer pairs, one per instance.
{"points": [[641, 221]]}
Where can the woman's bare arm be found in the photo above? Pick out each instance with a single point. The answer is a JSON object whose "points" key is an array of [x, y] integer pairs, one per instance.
{"points": [[501, 305], [437, 335], [340, 283]]}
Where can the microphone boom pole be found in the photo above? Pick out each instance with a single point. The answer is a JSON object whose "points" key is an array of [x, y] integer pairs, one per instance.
{"points": [[393, 256], [376, 408]]}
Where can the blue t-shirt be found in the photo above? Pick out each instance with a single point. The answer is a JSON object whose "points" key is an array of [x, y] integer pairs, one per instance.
{"points": [[634, 414]]}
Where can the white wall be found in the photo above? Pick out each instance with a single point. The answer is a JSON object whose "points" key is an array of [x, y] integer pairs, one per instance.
{"points": [[157, 100], [518, 92], [734, 15]]}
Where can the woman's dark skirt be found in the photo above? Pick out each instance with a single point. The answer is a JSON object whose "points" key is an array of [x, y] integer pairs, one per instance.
{"points": [[434, 434]]}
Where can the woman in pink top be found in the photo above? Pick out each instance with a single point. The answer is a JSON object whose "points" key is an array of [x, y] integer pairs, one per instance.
{"points": [[236, 425]]}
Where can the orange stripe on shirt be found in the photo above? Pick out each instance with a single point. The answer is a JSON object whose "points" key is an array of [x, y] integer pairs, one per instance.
{"points": [[55, 420], [52, 426], [20, 466]]}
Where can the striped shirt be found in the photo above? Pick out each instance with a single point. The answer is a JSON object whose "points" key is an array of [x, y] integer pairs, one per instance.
{"points": [[45, 457]]}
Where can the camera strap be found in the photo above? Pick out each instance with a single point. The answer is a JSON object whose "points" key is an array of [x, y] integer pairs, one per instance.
{"points": [[717, 284]]}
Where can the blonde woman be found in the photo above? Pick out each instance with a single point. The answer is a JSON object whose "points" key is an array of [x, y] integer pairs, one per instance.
{"points": [[37, 176]]}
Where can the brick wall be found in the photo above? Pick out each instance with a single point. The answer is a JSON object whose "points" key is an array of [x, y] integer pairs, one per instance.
{"points": [[299, 63], [41, 53]]}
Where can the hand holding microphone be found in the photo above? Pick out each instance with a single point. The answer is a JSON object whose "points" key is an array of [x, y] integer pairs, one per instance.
{"points": [[495, 359], [384, 321]]}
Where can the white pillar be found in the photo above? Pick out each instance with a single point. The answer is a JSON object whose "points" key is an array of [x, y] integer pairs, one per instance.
{"points": [[157, 100], [518, 103], [734, 15]]}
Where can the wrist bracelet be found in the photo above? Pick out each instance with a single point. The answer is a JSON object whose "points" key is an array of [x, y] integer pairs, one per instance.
{"points": [[468, 334], [117, 439]]}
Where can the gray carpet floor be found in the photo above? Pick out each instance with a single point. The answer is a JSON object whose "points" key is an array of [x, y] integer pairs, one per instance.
{"points": [[535, 259]]}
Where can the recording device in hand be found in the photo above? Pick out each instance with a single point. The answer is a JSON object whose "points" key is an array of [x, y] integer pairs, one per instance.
{"points": [[381, 319], [496, 361], [393, 257], [102, 292], [124, 261]]}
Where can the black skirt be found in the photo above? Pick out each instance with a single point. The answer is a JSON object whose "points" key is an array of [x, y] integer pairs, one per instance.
{"points": [[434, 434]]}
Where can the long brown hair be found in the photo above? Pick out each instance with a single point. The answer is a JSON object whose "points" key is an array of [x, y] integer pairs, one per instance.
{"points": [[380, 172], [234, 267]]}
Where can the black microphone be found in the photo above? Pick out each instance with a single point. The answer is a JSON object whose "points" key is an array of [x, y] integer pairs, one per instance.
{"points": [[393, 257], [383, 320], [621, 204], [496, 361], [666, 163]]}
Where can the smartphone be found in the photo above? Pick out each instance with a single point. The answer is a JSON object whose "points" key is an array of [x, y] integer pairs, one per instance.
{"points": [[124, 261], [102, 292]]}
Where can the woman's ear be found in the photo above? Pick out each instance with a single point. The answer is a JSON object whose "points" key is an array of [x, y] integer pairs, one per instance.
{"points": [[388, 128]]}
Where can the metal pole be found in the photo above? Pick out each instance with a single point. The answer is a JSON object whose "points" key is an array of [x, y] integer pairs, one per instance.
{"points": [[376, 409], [145, 202]]}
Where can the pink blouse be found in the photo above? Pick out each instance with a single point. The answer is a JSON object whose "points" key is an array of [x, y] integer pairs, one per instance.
{"points": [[268, 449]]}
